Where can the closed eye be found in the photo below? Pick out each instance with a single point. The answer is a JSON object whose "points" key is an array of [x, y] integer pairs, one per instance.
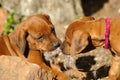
{"points": [[41, 38], [68, 43]]}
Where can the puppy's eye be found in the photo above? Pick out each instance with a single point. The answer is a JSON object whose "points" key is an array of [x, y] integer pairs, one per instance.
{"points": [[53, 30], [41, 38]]}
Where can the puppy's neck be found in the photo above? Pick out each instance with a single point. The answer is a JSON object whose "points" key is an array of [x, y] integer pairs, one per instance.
{"points": [[97, 30]]}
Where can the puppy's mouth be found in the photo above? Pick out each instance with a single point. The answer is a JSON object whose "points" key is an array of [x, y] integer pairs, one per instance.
{"points": [[55, 46]]}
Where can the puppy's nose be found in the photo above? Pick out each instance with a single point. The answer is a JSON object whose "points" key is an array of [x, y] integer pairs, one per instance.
{"points": [[56, 44]]}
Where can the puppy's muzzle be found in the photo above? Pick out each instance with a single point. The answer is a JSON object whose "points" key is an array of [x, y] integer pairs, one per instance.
{"points": [[56, 44]]}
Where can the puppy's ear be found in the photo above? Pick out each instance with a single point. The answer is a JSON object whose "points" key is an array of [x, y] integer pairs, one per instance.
{"points": [[80, 40], [47, 16], [19, 37]]}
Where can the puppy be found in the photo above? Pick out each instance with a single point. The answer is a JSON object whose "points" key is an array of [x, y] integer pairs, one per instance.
{"points": [[31, 38], [37, 32], [84, 31]]}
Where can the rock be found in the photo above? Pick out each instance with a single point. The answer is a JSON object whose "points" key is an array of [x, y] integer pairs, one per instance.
{"points": [[59, 10], [14, 68], [110, 9]]}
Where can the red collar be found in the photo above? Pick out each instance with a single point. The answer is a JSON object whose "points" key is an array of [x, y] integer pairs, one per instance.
{"points": [[107, 32]]}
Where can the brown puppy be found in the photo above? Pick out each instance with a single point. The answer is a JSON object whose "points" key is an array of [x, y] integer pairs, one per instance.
{"points": [[37, 31], [31, 38], [81, 32]]}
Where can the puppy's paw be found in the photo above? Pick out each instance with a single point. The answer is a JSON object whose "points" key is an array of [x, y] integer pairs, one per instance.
{"points": [[75, 74]]}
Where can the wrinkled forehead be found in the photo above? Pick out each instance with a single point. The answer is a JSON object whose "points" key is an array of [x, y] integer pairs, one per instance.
{"points": [[39, 26]]}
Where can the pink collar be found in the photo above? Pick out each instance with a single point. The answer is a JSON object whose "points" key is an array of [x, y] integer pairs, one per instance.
{"points": [[107, 32]]}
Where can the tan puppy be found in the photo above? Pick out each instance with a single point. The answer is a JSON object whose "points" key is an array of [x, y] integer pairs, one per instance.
{"points": [[31, 38], [82, 31], [37, 32]]}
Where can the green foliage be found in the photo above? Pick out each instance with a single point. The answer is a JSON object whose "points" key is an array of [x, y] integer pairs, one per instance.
{"points": [[76, 16], [10, 23]]}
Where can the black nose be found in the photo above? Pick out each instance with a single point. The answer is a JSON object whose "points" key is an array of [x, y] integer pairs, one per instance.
{"points": [[56, 44]]}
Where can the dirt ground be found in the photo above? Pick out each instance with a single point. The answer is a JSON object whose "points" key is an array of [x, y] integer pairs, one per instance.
{"points": [[95, 62]]}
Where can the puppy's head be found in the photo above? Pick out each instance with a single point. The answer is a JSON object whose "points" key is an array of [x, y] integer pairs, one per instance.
{"points": [[85, 18], [76, 38], [76, 42], [38, 31]]}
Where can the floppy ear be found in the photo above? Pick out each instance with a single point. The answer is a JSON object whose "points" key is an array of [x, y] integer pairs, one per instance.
{"points": [[80, 40], [19, 37]]}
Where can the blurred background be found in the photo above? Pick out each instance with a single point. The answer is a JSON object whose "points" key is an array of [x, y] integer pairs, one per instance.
{"points": [[62, 13]]}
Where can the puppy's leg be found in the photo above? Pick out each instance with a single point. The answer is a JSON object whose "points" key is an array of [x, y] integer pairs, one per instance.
{"points": [[76, 73], [114, 71], [36, 57]]}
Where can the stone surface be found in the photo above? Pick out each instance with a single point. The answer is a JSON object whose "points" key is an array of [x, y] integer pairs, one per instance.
{"points": [[14, 68], [59, 10]]}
